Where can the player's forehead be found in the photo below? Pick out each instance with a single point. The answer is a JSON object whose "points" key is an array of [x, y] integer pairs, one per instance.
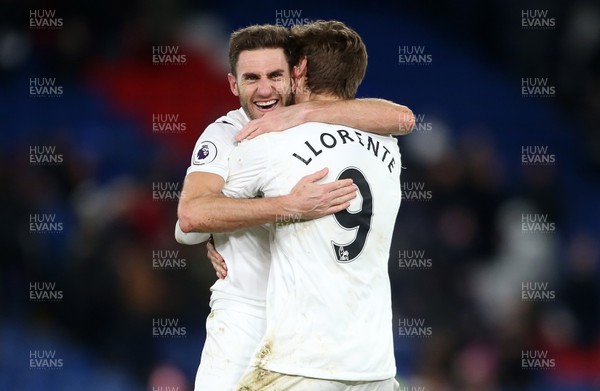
{"points": [[262, 61]]}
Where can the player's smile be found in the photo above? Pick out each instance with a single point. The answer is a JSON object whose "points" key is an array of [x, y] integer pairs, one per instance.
{"points": [[267, 105]]}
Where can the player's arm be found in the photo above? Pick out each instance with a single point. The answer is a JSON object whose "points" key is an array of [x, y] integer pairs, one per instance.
{"points": [[189, 238], [371, 114], [203, 208]]}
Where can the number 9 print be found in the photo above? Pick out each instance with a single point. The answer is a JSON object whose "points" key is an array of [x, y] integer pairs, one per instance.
{"points": [[359, 221]]}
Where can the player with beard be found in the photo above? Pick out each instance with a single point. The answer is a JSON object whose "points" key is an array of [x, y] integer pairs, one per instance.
{"points": [[260, 60]]}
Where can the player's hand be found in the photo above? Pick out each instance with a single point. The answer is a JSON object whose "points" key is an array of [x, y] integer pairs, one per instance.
{"points": [[274, 121], [312, 200], [216, 259]]}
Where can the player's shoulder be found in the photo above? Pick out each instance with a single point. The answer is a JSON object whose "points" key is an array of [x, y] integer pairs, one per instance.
{"points": [[236, 118], [219, 130], [216, 141], [231, 123]]}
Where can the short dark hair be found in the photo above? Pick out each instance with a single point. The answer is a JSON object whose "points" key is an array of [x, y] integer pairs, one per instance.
{"points": [[265, 36], [336, 57]]}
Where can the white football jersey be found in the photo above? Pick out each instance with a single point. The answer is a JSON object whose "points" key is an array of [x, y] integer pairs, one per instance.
{"points": [[245, 251], [329, 312]]}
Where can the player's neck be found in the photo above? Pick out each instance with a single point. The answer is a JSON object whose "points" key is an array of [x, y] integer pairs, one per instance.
{"points": [[323, 97]]}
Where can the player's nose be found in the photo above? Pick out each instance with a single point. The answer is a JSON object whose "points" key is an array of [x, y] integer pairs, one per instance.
{"points": [[264, 88]]}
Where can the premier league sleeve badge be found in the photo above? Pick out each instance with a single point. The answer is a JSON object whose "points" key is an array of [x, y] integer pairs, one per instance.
{"points": [[205, 153]]}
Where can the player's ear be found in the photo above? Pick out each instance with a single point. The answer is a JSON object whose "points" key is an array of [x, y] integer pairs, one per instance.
{"points": [[300, 69], [233, 84]]}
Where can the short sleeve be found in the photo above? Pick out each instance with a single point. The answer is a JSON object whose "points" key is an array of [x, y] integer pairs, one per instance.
{"points": [[212, 150]]}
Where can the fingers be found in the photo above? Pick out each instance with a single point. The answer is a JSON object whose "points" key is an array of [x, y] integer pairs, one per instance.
{"points": [[218, 263], [248, 131], [255, 133], [338, 208], [342, 184], [219, 269], [213, 253], [251, 130], [343, 194], [245, 132], [341, 198], [210, 246], [316, 176]]}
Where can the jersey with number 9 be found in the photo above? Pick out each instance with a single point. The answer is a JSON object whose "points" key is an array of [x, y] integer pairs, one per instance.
{"points": [[328, 298]]}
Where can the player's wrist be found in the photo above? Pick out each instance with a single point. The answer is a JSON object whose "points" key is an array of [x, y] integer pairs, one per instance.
{"points": [[290, 205]]}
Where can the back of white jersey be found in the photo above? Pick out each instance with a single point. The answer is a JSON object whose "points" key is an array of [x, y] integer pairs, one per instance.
{"points": [[328, 301], [245, 251]]}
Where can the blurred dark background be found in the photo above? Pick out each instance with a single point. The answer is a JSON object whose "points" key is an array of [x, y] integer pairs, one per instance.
{"points": [[501, 184]]}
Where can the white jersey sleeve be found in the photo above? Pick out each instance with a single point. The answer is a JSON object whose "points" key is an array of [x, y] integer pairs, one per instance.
{"points": [[211, 152], [189, 238], [329, 310]]}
